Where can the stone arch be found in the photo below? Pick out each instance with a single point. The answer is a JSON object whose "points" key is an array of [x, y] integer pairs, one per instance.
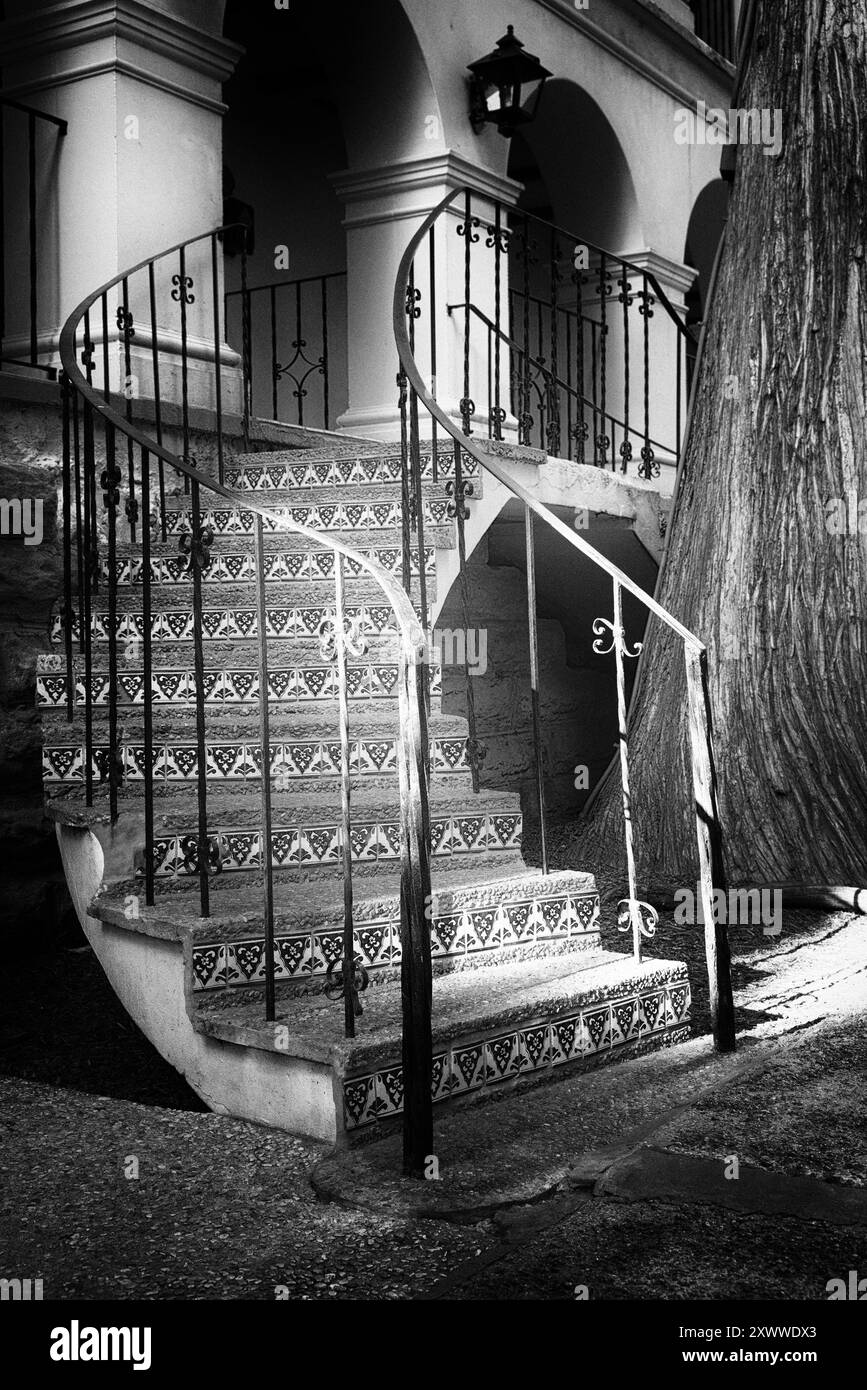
{"points": [[571, 157], [704, 229]]}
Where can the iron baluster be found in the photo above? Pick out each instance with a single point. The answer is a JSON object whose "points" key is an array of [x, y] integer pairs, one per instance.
{"points": [[465, 229], [406, 553], [68, 615], [181, 293], [32, 234], [552, 434], [499, 235], [324, 359], [126, 332], [602, 440], [432, 280], [351, 1002], [158, 415], [594, 398], [538, 753], [677, 405], [199, 665], [246, 345], [581, 427], [91, 561], [632, 915], [526, 417], [710, 853], [147, 687], [626, 300], [568, 345], [87, 351], [106, 375], [218, 370], [265, 748], [458, 490], [275, 366], [415, 903], [649, 466], [79, 533], [111, 497]]}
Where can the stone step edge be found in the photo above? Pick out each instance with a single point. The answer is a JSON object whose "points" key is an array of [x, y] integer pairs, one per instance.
{"points": [[590, 1018], [171, 919]]}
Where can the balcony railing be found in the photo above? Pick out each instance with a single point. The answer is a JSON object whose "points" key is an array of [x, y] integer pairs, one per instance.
{"points": [[22, 127], [296, 330]]}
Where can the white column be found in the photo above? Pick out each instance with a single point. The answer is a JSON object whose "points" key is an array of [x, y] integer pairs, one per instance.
{"points": [[385, 207], [139, 170]]}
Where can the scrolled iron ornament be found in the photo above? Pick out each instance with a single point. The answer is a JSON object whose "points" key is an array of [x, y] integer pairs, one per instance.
{"points": [[458, 499], [495, 236], [336, 987], [649, 467], [196, 544], [110, 482], [354, 637], [467, 407], [603, 625], [413, 297], [125, 323], [648, 917], [648, 301], [625, 452], [181, 293], [462, 228]]}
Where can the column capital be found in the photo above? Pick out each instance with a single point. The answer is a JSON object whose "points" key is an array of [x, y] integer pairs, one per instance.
{"points": [[674, 276], [97, 36], [410, 188]]}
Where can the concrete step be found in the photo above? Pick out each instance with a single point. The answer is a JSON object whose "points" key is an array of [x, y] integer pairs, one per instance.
{"points": [[473, 926], [229, 685], [510, 1024]]}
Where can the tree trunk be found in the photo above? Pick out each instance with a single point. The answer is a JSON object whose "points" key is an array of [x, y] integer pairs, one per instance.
{"points": [[755, 566]]}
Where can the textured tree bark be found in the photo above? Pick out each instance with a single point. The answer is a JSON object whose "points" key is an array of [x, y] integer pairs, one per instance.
{"points": [[753, 566]]}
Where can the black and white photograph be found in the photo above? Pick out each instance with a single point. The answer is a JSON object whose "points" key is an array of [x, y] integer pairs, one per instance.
{"points": [[433, 679]]}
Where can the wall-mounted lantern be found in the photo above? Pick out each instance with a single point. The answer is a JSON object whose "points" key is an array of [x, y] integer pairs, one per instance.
{"points": [[506, 86]]}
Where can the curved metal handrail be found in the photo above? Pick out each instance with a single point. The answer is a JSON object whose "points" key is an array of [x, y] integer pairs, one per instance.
{"points": [[633, 912], [410, 627], [411, 690]]}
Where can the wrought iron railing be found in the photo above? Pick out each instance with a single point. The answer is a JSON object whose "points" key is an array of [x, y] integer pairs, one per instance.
{"points": [[125, 350], [30, 122], [294, 327], [584, 353], [419, 316]]}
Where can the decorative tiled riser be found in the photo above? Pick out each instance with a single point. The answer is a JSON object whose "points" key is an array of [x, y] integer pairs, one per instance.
{"points": [[282, 566], [226, 624], [281, 477], [176, 856], [219, 965], [243, 761], [292, 685], [341, 516], [660, 1014]]}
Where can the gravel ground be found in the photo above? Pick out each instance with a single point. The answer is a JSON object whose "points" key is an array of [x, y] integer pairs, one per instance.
{"points": [[223, 1209]]}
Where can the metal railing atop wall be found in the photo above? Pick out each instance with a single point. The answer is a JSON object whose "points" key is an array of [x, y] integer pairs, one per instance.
{"points": [[18, 119]]}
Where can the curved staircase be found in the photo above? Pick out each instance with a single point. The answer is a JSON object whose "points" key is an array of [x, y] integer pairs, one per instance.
{"points": [[521, 986]]}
